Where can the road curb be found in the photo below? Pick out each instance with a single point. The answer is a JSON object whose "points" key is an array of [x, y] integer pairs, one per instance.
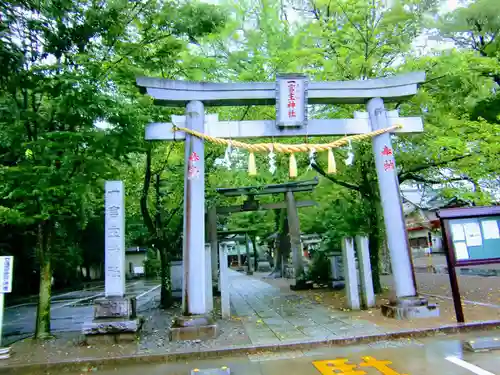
{"points": [[78, 364]]}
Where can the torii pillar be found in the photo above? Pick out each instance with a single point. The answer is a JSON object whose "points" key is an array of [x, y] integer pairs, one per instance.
{"points": [[193, 249]]}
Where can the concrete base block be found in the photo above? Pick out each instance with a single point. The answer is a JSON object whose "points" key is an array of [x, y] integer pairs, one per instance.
{"points": [[482, 344], [263, 267], [302, 285], [110, 339], [338, 285], [115, 307], [410, 308], [193, 328], [249, 273], [110, 331], [112, 326], [211, 371]]}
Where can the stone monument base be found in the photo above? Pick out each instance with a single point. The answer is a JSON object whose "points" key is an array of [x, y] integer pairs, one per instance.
{"points": [[115, 320], [112, 330], [410, 308], [196, 327], [302, 285], [115, 307]]}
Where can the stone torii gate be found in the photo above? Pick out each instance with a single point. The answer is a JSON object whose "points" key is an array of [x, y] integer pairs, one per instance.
{"points": [[251, 204], [290, 122]]}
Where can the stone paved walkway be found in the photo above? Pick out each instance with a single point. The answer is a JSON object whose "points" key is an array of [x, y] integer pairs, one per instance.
{"points": [[272, 316]]}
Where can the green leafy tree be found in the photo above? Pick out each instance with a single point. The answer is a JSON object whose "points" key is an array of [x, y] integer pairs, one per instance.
{"points": [[66, 63]]}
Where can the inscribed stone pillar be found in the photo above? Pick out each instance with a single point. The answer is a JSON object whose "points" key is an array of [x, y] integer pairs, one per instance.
{"points": [[365, 271], [193, 249], [350, 274], [294, 233], [391, 201], [114, 242]]}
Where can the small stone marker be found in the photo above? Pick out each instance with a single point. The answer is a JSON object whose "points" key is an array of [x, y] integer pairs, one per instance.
{"points": [[211, 371]]}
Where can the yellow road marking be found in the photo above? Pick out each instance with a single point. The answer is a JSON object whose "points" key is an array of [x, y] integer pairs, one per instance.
{"points": [[340, 366], [336, 366]]}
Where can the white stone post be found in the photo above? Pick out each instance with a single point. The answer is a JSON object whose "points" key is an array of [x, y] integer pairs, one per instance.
{"points": [[391, 201], [208, 275], [350, 274], [212, 230], [224, 281], [365, 271], [114, 241], [193, 249]]}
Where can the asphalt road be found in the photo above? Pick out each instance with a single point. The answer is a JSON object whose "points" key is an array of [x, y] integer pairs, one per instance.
{"points": [[441, 355], [70, 310]]}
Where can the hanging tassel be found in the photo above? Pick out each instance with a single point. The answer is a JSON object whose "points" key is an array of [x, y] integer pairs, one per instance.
{"points": [[252, 169], [332, 167], [293, 166]]}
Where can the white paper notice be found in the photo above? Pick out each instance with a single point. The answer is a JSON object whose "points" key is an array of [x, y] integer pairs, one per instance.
{"points": [[461, 251], [490, 229], [473, 234], [457, 232]]}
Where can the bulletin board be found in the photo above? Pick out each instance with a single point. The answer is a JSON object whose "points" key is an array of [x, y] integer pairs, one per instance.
{"points": [[471, 240], [471, 236]]}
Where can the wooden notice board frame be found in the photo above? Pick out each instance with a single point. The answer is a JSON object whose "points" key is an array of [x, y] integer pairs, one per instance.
{"points": [[474, 217]]}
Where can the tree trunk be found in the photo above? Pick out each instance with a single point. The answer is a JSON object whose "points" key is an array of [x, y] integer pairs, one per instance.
{"points": [[166, 284], [42, 330], [375, 241]]}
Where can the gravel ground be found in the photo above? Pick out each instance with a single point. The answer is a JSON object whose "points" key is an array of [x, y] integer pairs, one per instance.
{"points": [[479, 289], [152, 340]]}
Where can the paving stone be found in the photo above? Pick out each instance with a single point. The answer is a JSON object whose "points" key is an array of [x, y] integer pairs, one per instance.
{"points": [[275, 356], [270, 316], [317, 333], [302, 322], [290, 336]]}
